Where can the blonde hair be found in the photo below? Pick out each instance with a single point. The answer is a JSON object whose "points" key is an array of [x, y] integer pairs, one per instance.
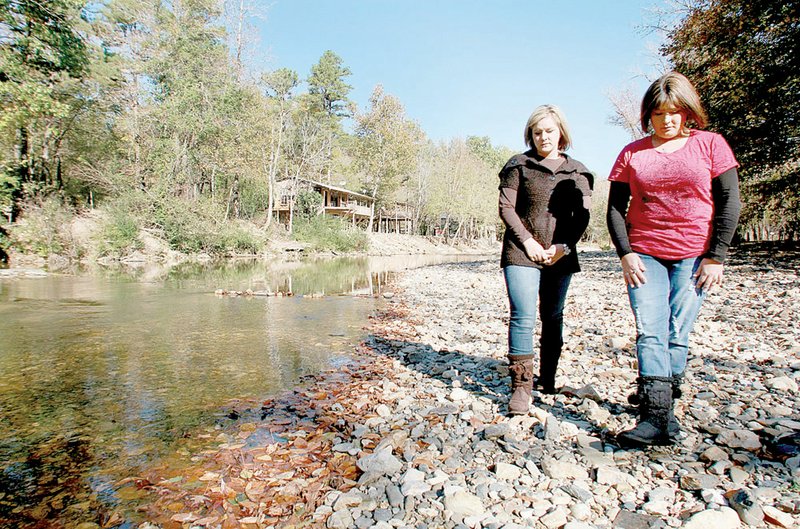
{"points": [[673, 89], [549, 111]]}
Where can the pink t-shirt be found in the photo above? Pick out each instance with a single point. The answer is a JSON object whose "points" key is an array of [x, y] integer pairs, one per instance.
{"points": [[671, 210]]}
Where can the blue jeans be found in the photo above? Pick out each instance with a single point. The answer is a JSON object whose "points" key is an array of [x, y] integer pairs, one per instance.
{"points": [[525, 286], [665, 308]]}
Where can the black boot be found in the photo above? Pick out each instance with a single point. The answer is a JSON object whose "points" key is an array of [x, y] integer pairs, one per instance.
{"points": [[677, 382], [636, 397], [655, 415], [674, 427], [548, 366]]}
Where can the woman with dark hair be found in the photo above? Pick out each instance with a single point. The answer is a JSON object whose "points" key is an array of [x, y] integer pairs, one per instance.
{"points": [[544, 203], [673, 207]]}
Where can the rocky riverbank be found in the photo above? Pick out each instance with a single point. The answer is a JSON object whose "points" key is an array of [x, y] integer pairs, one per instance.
{"points": [[414, 433], [445, 455]]}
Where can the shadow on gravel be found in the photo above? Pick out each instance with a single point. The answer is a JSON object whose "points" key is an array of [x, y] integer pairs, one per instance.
{"points": [[766, 255], [487, 378]]}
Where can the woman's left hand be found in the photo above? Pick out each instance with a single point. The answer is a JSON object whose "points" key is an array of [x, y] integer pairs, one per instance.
{"points": [[708, 274], [557, 251]]}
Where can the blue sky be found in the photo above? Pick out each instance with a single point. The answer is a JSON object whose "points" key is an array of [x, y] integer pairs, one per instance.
{"points": [[477, 68]]}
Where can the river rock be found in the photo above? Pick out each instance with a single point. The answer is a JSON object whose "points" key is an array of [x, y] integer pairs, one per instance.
{"points": [[381, 462], [558, 466], [463, 503], [745, 504], [778, 517], [739, 439], [630, 520], [781, 384], [556, 469], [723, 518], [340, 520]]}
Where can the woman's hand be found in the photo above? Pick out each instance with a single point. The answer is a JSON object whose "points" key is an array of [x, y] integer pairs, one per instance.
{"points": [[556, 252], [536, 252], [633, 270], [708, 274]]}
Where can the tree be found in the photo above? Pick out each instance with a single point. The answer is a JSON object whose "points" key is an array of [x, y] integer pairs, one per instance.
{"points": [[744, 58], [387, 144], [327, 85], [279, 87], [327, 101], [44, 59], [461, 182], [626, 114]]}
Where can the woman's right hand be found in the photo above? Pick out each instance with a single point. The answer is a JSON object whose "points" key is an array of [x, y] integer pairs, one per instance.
{"points": [[536, 252], [633, 270]]}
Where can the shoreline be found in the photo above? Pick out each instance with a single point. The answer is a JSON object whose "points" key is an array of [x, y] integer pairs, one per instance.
{"points": [[414, 434], [380, 245]]}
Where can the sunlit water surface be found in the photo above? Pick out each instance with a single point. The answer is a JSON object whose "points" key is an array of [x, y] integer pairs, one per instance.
{"points": [[101, 373]]}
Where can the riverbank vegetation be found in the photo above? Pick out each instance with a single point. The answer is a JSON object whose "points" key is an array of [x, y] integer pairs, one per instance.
{"points": [[131, 125]]}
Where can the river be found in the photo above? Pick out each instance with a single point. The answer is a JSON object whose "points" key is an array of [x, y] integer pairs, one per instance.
{"points": [[100, 373]]}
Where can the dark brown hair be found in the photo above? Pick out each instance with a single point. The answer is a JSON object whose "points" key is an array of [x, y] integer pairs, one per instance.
{"points": [[673, 89]]}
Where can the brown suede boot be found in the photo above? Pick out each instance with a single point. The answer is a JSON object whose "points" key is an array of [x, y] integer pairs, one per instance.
{"points": [[521, 370]]}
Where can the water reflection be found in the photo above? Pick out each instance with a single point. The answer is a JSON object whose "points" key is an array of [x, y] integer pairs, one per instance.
{"points": [[99, 374]]}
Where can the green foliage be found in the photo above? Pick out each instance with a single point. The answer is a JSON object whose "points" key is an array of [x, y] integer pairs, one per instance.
{"points": [[308, 204], [325, 233], [744, 58], [9, 186], [189, 227], [43, 61], [327, 86], [119, 234], [386, 147]]}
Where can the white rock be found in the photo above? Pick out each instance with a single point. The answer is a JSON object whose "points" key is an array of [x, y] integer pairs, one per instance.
{"points": [[660, 507], [580, 511], [415, 488], [554, 520], [578, 525], [340, 520], [724, 518], [458, 394], [553, 468], [780, 518], [610, 476], [463, 503], [348, 500], [381, 462], [507, 472], [781, 384]]}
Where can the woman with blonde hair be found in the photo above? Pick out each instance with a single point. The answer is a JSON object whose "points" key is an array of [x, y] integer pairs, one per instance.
{"points": [[544, 203], [673, 207]]}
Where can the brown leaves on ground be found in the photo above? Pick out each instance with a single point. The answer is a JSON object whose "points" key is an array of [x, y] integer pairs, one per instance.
{"points": [[282, 478]]}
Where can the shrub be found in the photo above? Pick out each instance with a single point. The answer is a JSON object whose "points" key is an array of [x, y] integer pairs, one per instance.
{"points": [[119, 233], [43, 228], [308, 204], [329, 234]]}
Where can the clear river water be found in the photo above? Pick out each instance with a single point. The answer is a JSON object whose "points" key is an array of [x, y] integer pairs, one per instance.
{"points": [[101, 372]]}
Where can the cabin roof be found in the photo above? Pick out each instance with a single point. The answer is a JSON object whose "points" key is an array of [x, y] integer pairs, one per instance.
{"points": [[336, 188]]}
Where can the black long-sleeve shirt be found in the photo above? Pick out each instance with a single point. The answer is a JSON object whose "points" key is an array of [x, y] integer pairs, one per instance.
{"points": [[727, 206]]}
